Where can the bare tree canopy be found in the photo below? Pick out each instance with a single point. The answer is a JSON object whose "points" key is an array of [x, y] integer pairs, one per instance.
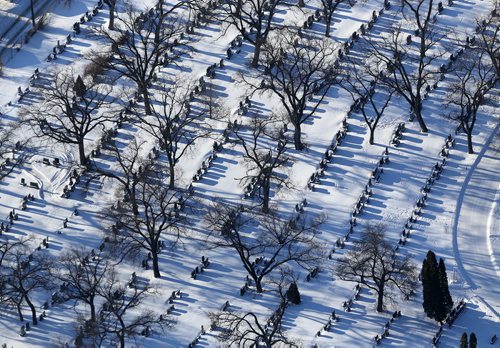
{"points": [[264, 155], [299, 73], [176, 124], [274, 245], [367, 93], [67, 114], [253, 19], [374, 263], [140, 44], [410, 59], [473, 79]]}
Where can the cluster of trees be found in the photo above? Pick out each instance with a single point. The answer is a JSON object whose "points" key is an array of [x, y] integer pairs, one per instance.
{"points": [[437, 299], [468, 343], [111, 312]]}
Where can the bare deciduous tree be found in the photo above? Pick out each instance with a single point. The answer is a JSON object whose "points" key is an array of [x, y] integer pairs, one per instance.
{"points": [[66, 115], [83, 274], [329, 8], [149, 211], [140, 44], [253, 19], [264, 153], [366, 92], [374, 263], [175, 124], [299, 74], [23, 275], [410, 62], [474, 77], [274, 245], [489, 37], [248, 330], [120, 316]]}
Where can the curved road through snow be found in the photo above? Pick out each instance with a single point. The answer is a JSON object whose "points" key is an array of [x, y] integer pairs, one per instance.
{"points": [[477, 237]]}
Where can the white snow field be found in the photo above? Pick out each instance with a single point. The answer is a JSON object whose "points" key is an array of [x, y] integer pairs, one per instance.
{"points": [[460, 221]]}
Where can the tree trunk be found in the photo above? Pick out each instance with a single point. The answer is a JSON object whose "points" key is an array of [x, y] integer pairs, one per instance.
{"points": [[380, 299], [256, 54], [266, 187], [171, 183], [81, 153], [33, 310], [469, 142], [147, 102], [372, 135], [156, 267], [328, 20], [19, 311], [32, 14], [420, 119], [258, 285], [122, 340], [111, 24], [92, 308], [296, 138]]}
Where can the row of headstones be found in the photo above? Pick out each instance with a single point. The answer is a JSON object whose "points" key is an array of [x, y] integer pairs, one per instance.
{"points": [[450, 318], [398, 134], [202, 15], [421, 201], [74, 179], [363, 199], [354, 107], [347, 305], [9, 220], [59, 48], [12, 162], [332, 319], [274, 318], [200, 268], [375, 174], [315, 178], [378, 338], [87, 17]]}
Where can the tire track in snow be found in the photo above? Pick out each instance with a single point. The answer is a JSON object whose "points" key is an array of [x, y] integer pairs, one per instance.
{"points": [[456, 251]]}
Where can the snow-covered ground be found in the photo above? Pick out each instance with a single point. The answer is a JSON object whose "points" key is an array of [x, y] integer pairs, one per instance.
{"points": [[460, 223]]}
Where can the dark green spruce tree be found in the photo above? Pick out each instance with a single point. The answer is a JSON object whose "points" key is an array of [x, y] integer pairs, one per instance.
{"points": [[447, 302], [472, 340], [463, 341], [430, 285], [293, 294], [79, 88]]}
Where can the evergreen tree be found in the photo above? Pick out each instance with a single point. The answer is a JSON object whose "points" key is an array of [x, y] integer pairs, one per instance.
{"points": [[447, 302], [463, 341], [472, 340], [79, 88], [430, 284], [293, 294], [437, 299]]}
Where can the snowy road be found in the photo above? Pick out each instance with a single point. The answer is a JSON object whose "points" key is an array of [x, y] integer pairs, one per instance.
{"points": [[476, 242]]}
